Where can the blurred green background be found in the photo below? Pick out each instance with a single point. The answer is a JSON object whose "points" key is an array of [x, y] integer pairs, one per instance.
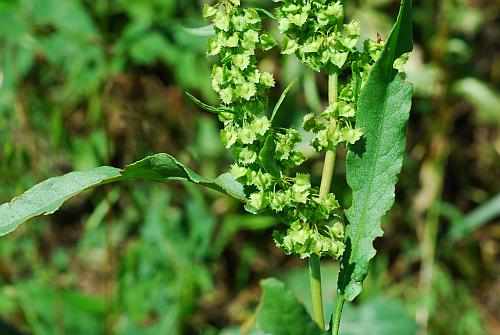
{"points": [[85, 83]]}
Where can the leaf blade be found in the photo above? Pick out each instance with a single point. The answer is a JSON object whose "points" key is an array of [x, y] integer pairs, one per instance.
{"points": [[282, 97], [48, 196], [279, 312], [44, 199], [378, 317], [373, 164]]}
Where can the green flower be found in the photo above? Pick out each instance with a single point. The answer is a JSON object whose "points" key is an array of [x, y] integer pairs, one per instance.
{"points": [[350, 135], [214, 46], [260, 125], [257, 200], [221, 20], [229, 136], [247, 156], [238, 171], [247, 135], [246, 90], [230, 41], [209, 11], [267, 79], [241, 61], [267, 42], [298, 19], [226, 95]]}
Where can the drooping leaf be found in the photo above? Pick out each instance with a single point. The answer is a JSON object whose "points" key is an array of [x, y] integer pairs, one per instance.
{"points": [[205, 31], [374, 161], [266, 12], [47, 196], [207, 107], [378, 317], [279, 312]]}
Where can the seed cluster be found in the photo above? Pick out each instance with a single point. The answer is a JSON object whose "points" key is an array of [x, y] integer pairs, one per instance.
{"points": [[315, 32], [263, 153]]}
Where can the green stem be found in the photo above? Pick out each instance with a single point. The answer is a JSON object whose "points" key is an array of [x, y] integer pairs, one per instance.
{"points": [[325, 189], [337, 313], [316, 294], [329, 165], [326, 181]]}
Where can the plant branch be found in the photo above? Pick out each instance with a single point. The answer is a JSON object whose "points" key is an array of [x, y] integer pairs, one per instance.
{"points": [[329, 164], [326, 181]]}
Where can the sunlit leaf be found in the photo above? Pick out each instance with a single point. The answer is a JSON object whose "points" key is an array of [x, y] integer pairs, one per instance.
{"points": [[374, 161], [47, 196]]}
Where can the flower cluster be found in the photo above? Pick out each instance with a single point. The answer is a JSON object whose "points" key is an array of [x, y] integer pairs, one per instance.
{"points": [[262, 153], [238, 34], [315, 31], [303, 239]]}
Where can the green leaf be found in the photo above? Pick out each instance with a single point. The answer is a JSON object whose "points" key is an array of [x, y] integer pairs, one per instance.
{"points": [[46, 197], [209, 108], [465, 225], [378, 317], [282, 97], [266, 12], [205, 31], [482, 97], [279, 312], [373, 162], [266, 155]]}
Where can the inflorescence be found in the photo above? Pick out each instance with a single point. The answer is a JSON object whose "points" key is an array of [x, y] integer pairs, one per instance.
{"points": [[315, 32]]}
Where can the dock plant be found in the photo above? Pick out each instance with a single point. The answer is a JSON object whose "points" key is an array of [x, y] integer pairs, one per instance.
{"points": [[367, 112]]}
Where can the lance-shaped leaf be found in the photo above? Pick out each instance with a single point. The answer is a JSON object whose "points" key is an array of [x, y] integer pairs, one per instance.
{"points": [[373, 163], [209, 108], [46, 197]]}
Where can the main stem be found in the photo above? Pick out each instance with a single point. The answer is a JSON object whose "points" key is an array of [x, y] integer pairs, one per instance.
{"points": [[339, 298], [326, 181], [329, 165], [316, 294], [337, 313]]}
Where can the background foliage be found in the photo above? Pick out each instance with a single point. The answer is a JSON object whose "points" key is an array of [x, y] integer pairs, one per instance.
{"points": [[86, 83]]}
